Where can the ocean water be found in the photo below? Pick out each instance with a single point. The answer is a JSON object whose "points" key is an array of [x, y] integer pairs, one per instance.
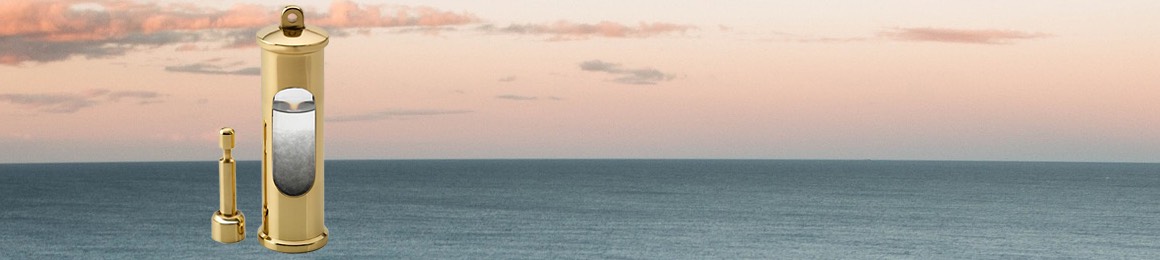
{"points": [[606, 209]]}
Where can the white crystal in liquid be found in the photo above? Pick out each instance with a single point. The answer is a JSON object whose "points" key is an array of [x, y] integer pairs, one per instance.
{"points": [[293, 141]]}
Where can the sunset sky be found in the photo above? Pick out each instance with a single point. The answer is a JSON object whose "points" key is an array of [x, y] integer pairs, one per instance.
{"points": [[1038, 80]]}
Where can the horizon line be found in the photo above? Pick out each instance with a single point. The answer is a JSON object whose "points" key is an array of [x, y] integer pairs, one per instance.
{"points": [[623, 159]]}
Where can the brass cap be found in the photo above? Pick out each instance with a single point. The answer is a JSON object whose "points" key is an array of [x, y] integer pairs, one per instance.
{"points": [[293, 35], [228, 229]]}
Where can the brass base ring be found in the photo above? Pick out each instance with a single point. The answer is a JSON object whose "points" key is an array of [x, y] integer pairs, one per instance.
{"points": [[294, 247]]}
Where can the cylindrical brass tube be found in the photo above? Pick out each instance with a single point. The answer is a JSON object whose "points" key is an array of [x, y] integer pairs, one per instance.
{"points": [[292, 146], [227, 175]]}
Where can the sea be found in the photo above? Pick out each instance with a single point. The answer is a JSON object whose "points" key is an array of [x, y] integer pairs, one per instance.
{"points": [[604, 209]]}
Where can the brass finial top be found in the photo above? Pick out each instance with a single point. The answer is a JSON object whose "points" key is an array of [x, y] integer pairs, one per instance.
{"points": [[227, 141], [292, 21]]}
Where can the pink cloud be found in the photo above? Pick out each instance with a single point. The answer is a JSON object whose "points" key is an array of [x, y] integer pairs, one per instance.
{"points": [[959, 35], [73, 102], [347, 14], [60, 21], [47, 31], [565, 30]]}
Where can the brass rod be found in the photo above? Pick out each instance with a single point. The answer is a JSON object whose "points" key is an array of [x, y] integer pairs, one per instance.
{"points": [[227, 168]]}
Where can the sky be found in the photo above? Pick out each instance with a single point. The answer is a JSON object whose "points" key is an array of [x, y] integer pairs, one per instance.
{"points": [[1035, 80]]}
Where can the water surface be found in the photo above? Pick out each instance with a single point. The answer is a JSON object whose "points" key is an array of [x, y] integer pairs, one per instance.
{"points": [[618, 209]]}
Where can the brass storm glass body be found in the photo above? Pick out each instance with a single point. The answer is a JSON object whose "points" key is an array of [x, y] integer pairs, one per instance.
{"points": [[292, 121]]}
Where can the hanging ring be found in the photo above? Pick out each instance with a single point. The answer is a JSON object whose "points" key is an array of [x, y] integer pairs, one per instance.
{"points": [[293, 22]]}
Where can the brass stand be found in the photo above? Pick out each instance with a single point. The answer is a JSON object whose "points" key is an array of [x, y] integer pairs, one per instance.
{"points": [[228, 225]]}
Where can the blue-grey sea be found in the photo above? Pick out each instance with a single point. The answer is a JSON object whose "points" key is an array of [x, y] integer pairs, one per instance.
{"points": [[605, 209]]}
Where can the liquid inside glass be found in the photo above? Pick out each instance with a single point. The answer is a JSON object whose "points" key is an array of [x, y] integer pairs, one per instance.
{"points": [[293, 141]]}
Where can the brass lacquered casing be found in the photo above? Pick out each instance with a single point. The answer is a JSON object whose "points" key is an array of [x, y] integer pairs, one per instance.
{"points": [[292, 57]]}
